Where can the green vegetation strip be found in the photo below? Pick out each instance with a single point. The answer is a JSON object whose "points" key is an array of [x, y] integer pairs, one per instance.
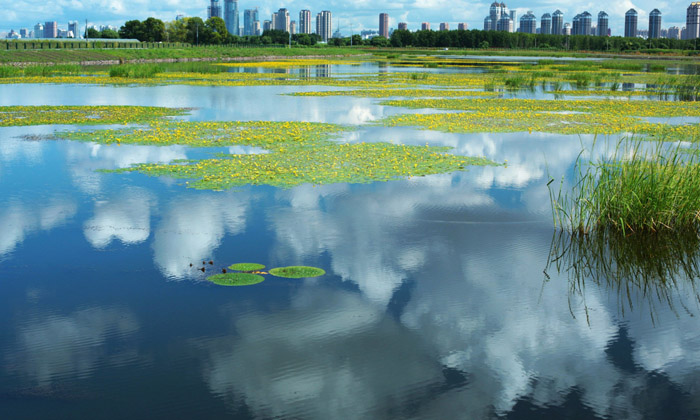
{"points": [[298, 153], [247, 267], [297, 272], [552, 116], [235, 279], [13, 116]]}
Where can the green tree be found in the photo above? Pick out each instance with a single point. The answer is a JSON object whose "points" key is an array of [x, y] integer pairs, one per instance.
{"points": [[176, 31], [195, 29], [153, 30], [94, 33], [108, 34], [379, 41], [215, 31], [132, 29]]}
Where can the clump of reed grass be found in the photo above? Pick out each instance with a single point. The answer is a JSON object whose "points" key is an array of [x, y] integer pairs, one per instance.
{"points": [[135, 71], [10, 71], [637, 189], [622, 65]]}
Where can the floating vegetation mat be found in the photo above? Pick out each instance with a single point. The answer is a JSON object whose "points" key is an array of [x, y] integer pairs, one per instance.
{"points": [[298, 153], [552, 116], [290, 63], [247, 267], [235, 279], [13, 116], [407, 93], [297, 272]]}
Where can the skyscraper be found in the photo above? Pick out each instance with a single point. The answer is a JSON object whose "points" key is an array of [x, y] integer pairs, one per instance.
{"points": [[250, 19], [425, 26], [403, 26], [494, 15], [282, 20], [674, 32], [444, 26], [528, 23], [576, 25], [557, 22], [505, 24], [50, 30], [602, 29], [546, 24], [75, 28], [231, 16], [384, 25], [324, 25], [305, 21], [488, 24], [692, 21], [214, 10], [655, 24], [586, 21], [293, 27], [38, 30], [631, 23], [462, 26]]}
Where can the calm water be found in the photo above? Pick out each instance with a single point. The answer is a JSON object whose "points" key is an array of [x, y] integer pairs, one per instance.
{"points": [[436, 302]]}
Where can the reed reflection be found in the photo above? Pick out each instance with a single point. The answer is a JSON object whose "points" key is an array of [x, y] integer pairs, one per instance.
{"points": [[642, 269]]}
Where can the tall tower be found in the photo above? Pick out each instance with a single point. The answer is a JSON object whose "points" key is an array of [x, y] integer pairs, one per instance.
{"points": [[557, 22], [494, 14], [384, 25], [692, 21], [282, 20], [324, 25], [546, 24], [586, 21], [655, 24], [251, 24], [231, 16], [602, 24], [305, 21], [528, 23], [631, 23], [50, 30], [214, 10]]}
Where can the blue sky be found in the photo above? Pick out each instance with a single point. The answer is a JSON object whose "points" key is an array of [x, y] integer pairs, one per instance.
{"points": [[361, 14]]}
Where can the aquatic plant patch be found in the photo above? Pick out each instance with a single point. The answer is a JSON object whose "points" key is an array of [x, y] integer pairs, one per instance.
{"points": [[552, 116], [235, 279], [13, 116], [246, 267], [298, 153], [297, 272]]}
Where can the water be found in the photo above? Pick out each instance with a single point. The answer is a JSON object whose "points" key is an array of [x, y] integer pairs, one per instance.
{"points": [[439, 300]]}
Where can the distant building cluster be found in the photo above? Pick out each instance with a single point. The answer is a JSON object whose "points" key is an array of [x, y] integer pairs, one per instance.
{"points": [[47, 30], [279, 20]]}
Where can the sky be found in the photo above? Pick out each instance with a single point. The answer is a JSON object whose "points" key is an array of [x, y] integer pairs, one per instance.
{"points": [[360, 14]]}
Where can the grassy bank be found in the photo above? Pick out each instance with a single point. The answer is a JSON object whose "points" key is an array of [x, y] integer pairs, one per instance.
{"points": [[209, 52]]}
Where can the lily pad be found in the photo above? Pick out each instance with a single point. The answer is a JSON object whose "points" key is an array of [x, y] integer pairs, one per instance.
{"points": [[297, 272], [235, 279], [246, 267]]}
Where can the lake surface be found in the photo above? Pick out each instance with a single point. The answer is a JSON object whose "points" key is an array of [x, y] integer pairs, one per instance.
{"points": [[439, 299]]}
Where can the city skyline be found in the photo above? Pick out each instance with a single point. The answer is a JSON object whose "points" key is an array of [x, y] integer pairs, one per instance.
{"points": [[361, 15]]}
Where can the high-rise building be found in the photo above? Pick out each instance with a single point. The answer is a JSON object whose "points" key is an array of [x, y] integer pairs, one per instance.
{"points": [[38, 30], [505, 24], [528, 23], [384, 25], [488, 24], [231, 16], [324, 25], [557, 22], [546, 24], [24, 33], [655, 24], [214, 9], [674, 32], [692, 21], [425, 26], [73, 27], [403, 26], [602, 29], [586, 23], [566, 30], [444, 26], [462, 26], [305, 21], [50, 30], [267, 25], [293, 27], [250, 21], [513, 15], [631, 23], [281, 21]]}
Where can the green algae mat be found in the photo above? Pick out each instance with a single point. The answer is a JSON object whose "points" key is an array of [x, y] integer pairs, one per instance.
{"points": [[15, 116]]}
